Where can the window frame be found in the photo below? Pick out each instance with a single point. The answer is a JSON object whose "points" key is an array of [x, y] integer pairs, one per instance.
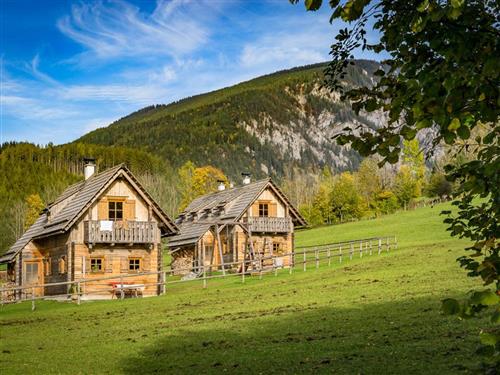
{"points": [[263, 209], [97, 258], [112, 212], [139, 265]]}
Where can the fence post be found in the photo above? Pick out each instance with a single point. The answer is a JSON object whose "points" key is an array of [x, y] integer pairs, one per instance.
{"points": [[316, 254], [329, 257], [340, 254], [290, 266], [379, 245], [243, 270], [395, 242], [388, 246], [305, 264], [361, 249], [78, 293], [370, 247], [351, 252], [33, 299], [122, 293], [274, 266], [164, 282]]}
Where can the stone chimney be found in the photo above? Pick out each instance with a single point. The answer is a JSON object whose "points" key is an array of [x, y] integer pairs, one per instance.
{"points": [[246, 178], [221, 186], [88, 167]]}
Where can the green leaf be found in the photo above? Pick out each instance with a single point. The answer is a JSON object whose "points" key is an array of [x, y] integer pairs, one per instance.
{"points": [[450, 306], [457, 3], [423, 6], [488, 338], [495, 317], [463, 132], [313, 4], [454, 124], [486, 297]]}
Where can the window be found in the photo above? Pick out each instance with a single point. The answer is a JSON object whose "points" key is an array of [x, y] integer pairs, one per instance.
{"points": [[277, 248], [96, 265], [47, 266], [31, 273], [263, 209], [134, 264], [62, 264], [115, 210]]}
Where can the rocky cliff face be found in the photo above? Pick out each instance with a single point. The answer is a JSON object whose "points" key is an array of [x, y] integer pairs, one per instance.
{"points": [[270, 125]]}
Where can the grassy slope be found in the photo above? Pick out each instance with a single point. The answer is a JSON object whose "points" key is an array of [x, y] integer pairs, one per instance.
{"points": [[375, 315]]}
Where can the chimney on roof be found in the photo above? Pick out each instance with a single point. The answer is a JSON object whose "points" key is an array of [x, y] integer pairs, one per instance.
{"points": [[88, 167], [246, 178], [221, 186]]}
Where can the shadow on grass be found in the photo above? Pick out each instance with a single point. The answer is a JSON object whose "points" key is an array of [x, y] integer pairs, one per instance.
{"points": [[410, 336]]}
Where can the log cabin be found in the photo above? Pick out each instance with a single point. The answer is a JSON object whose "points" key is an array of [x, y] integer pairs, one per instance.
{"points": [[252, 221], [106, 225]]}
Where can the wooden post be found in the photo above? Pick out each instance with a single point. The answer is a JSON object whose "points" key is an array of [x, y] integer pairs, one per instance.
{"points": [[122, 293], [33, 299], [388, 246], [203, 263], [165, 282], [243, 265], [361, 249], [329, 257], [370, 247], [316, 254], [340, 254], [219, 245], [351, 251], [305, 262], [379, 245], [290, 266], [78, 293], [395, 242]]}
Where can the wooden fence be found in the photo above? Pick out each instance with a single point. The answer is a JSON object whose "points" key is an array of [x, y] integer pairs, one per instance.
{"points": [[300, 258]]}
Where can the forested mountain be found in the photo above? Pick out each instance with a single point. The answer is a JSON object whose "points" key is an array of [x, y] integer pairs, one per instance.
{"points": [[269, 125]]}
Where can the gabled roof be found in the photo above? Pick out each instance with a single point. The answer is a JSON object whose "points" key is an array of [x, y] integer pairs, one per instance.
{"points": [[233, 204], [75, 201]]}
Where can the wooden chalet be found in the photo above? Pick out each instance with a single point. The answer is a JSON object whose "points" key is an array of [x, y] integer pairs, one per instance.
{"points": [[106, 225], [252, 221]]}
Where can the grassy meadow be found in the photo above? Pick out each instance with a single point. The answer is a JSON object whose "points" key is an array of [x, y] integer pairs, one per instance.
{"points": [[375, 315]]}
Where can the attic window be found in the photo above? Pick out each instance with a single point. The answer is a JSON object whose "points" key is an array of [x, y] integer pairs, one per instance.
{"points": [[115, 210], [263, 209]]}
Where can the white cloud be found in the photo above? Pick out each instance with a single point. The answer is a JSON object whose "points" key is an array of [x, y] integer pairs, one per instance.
{"points": [[115, 28]]}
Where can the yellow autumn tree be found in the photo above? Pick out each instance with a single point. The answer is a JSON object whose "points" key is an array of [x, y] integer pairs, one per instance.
{"points": [[196, 181], [34, 205]]}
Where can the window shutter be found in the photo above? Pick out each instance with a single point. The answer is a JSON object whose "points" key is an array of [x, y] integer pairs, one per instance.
{"points": [[144, 266], [255, 209], [124, 265], [129, 210], [273, 209], [87, 265], [102, 209], [108, 264]]}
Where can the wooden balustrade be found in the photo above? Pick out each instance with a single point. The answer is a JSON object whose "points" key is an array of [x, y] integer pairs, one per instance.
{"points": [[128, 232], [269, 224]]}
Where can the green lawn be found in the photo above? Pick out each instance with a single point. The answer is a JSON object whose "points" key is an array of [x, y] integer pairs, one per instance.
{"points": [[375, 315]]}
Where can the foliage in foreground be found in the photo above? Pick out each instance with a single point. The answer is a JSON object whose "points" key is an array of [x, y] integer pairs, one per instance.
{"points": [[442, 75]]}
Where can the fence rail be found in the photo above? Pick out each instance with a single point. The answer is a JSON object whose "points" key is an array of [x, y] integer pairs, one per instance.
{"points": [[299, 258]]}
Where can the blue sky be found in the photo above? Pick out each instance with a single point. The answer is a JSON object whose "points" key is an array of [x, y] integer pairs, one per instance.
{"points": [[68, 67]]}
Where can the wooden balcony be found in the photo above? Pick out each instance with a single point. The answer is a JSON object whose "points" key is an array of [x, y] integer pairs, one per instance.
{"points": [[269, 224], [128, 232]]}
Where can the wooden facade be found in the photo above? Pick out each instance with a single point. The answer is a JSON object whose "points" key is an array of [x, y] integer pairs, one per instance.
{"points": [[263, 228], [118, 232]]}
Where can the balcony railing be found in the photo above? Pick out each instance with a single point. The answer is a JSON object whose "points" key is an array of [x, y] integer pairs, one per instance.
{"points": [[269, 224], [128, 232]]}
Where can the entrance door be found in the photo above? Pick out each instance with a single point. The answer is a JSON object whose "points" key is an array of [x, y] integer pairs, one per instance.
{"points": [[33, 276]]}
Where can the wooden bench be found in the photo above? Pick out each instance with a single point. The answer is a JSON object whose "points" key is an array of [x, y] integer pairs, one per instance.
{"points": [[128, 289]]}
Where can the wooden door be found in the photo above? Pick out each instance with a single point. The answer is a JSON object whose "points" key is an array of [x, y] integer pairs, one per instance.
{"points": [[33, 275]]}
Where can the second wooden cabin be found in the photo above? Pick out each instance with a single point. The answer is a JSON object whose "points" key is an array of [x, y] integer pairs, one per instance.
{"points": [[252, 221]]}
